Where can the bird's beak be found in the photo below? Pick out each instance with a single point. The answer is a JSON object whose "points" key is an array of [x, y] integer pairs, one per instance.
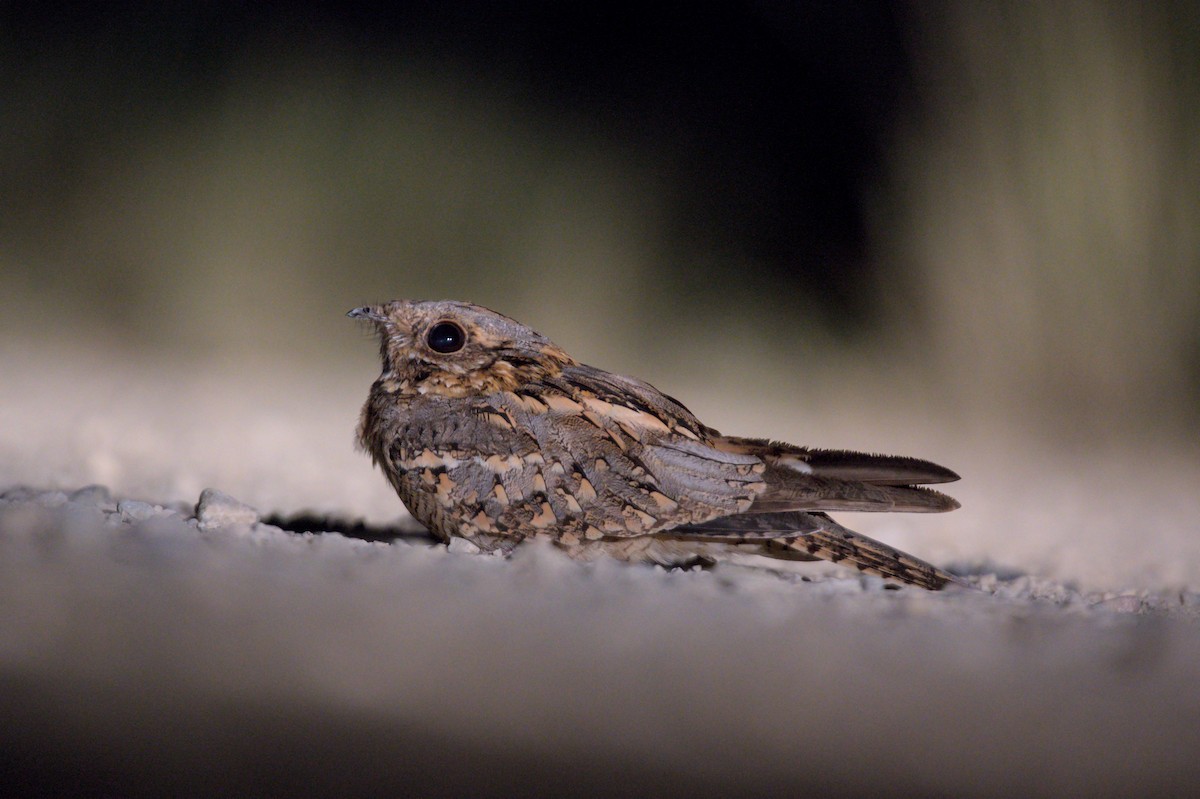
{"points": [[369, 312]]}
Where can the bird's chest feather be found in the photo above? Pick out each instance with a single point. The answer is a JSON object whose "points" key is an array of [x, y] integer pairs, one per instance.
{"points": [[502, 469]]}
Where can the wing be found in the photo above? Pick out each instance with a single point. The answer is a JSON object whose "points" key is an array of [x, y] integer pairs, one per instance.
{"points": [[585, 454], [624, 458], [798, 478], [814, 536]]}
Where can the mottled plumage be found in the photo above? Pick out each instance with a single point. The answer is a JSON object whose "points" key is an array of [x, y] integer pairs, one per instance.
{"points": [[489, 431]]}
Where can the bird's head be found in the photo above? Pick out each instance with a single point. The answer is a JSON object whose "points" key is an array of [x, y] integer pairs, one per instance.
{"points": [[455, 349]]}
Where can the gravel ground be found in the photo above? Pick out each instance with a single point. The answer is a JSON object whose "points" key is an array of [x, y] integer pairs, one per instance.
{"points": [[188, 649], [155, 641]]}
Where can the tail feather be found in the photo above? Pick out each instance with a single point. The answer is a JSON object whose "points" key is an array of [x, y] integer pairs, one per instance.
{"points": [[790, 490], [839, 464]]}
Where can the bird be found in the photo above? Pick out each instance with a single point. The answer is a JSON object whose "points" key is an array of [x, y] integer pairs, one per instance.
{"points": [[490, 432]]}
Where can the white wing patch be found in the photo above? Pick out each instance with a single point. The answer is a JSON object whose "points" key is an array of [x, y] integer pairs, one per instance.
{"points": [[795, 464]]}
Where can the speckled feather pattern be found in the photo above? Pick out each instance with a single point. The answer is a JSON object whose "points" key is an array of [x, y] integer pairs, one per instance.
{"points": [[489, 431]]}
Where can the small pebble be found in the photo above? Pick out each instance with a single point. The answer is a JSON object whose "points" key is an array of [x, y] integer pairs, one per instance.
{"points": [[1127, 603], [218, 509], [51, 499], [461, 546], [18, 494], [132, 510], [93, 495]]}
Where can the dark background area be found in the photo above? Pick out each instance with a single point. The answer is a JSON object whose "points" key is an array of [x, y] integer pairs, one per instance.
{"points": [[765, 123]]}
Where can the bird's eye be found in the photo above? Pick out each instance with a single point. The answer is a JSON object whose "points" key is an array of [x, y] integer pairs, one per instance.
{"points": [[446, 337]]}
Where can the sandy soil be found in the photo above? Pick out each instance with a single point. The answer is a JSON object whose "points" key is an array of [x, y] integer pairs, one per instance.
{"points": [[153, 648]]}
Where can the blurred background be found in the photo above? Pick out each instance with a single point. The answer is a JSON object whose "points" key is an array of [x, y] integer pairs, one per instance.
{"points": [[967, 232]]}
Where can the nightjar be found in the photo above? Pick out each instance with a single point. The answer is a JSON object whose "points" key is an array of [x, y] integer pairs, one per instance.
{"points": [[489, 431]]}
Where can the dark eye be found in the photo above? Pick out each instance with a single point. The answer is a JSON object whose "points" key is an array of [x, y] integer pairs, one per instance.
{"points": [[445, 337]]}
